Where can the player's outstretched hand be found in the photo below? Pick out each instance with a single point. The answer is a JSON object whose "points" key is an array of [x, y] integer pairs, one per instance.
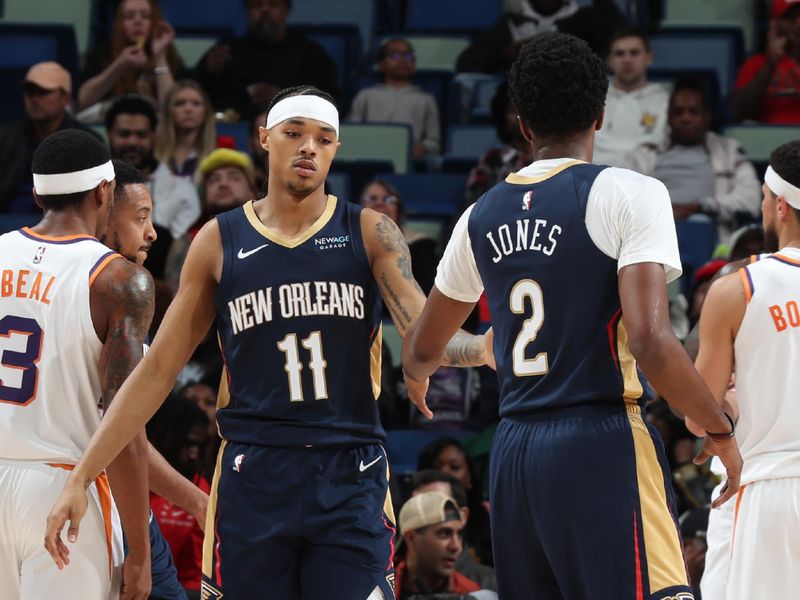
{"points": [[416, 393], [136, 579], [728, 451], [71, 506]]}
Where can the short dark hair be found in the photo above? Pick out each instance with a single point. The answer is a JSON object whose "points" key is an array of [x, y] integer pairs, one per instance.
{"points": [[383, 49], [299, 90], [247, 3], [785, 161], [126, 174], [131, 104], [558, 85], [428, 476], [694, 84], [629, 32], [67, 151]]}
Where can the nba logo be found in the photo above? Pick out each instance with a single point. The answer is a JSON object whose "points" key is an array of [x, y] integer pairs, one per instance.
{"points": [[526, 200], [237, 462], [39, 255]]}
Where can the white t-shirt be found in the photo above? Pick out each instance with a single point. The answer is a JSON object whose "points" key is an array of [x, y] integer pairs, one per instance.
{"points": [[628, 217]]}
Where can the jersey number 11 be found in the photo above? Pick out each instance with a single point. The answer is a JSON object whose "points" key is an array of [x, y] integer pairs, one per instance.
{"points": [[293, 366]]}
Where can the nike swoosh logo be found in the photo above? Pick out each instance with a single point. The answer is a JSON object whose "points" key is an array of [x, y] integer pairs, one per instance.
{"points": [[362, 467], [243, 254]]}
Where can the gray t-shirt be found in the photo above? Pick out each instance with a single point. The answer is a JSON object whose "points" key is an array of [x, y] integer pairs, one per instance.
{"points": [[686, 172]]}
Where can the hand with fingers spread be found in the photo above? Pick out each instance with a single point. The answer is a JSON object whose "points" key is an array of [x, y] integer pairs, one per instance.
{"points": [[724, 446], [71, 506], [416, 393]]}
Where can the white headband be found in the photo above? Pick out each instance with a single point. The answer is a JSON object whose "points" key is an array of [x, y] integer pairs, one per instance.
{"points": [[309, 107], [71, 183], [781, 187]]}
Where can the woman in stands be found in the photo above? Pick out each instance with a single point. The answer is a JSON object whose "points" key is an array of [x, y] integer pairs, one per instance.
{"points": [[140, 57], [186, 133]]}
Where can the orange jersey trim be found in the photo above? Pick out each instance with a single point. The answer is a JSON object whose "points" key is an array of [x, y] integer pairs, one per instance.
{"points": [[57, 238], [748, 289], [102, 265]]}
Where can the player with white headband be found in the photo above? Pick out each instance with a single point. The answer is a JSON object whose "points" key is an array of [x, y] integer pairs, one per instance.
{"points": [[300, 506], [751, 321]]}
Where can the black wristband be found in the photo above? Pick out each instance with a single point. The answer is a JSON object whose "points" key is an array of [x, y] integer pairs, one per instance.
{"points": [[725, 435]]}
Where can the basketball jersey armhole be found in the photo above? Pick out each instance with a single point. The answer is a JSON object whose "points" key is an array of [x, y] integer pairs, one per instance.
{"points": [[101, 264], [747, 283]]}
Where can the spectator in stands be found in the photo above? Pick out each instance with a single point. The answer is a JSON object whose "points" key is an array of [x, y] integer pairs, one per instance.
{"points": [[131, 123], [179, 431], [140, 58], [431, 525], [247, 72], [257, 152], [767, 87], [494, 166], [694, 524], [449, 456], [636, 111], [397, 100], [705, 173], [47, 93], [467, 563], [205, 397], [186, 134], [499, 45], [226, 181]]}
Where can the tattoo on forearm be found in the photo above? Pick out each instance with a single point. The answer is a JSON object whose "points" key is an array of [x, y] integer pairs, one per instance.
{"points": [[392, 239], [132, 297], [400, 314], [464, 350]]}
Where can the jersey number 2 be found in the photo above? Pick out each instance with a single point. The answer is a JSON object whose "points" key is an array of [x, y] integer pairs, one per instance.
{"points": [[23, 361], [293, 366], [526, 367]]}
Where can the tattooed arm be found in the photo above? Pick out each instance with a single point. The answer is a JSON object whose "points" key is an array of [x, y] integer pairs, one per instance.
{"points": [[124, 293], [391, 267]]}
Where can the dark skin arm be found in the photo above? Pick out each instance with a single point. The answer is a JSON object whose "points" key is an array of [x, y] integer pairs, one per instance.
{"points": [[645, 310], [122, 300]]}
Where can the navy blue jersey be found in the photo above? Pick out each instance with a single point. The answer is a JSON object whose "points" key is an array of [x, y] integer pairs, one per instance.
{"points": [[553, 295], [299, 326]]}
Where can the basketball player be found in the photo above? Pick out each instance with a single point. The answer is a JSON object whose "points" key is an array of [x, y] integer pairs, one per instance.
{"points": [[300, 505], [574, 259], [72, 323], [751, 319]]}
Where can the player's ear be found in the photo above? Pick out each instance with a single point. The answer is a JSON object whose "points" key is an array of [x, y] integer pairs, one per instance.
{"points": [[36, 199], [526, 131], [263, 138]]}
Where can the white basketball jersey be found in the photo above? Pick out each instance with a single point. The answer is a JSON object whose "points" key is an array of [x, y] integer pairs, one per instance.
{"points": [[49, 350], [767, 351]]}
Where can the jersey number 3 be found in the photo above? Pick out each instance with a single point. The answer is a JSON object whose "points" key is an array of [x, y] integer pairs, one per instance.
{"points": [[526, 367], [19, 374], [293, 366]]}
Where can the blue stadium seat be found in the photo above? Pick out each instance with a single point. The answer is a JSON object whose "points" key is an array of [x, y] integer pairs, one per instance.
{"points": [[12, 106], [471, 141], [451, 15], [482, 95], [342, 43], [14, 222], [240, 132], [696, 242], [429, 194], [195, 16], [24, 44], [360, 173], [403, 446], [361, 13], [718, 48], [339, 185]]}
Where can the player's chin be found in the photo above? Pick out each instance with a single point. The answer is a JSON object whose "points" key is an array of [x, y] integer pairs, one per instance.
{"points": [[140, 257]]}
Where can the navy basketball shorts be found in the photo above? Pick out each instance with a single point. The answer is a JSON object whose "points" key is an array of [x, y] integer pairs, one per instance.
{"points": [[299, 523], [582, 508], [165, 578]]}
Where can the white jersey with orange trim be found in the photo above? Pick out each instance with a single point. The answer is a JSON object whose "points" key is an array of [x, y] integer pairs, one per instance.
{"points": [[49, 350], [767, 355]]}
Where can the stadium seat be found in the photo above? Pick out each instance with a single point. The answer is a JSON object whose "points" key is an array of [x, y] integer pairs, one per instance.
{"points": [[361, 13], [481, 103], [451, 15], [376, 141], [429, 194], [342, 43], [25, 44], [203, 16], [77, 13], [360, 173], [191, 48], [433, 53], [738, 13], [471, 141], [696, 242], [759, 141], [13, 222], [339, 184], [12, 106], [403, 446], [718, 48], [240, 132]]}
